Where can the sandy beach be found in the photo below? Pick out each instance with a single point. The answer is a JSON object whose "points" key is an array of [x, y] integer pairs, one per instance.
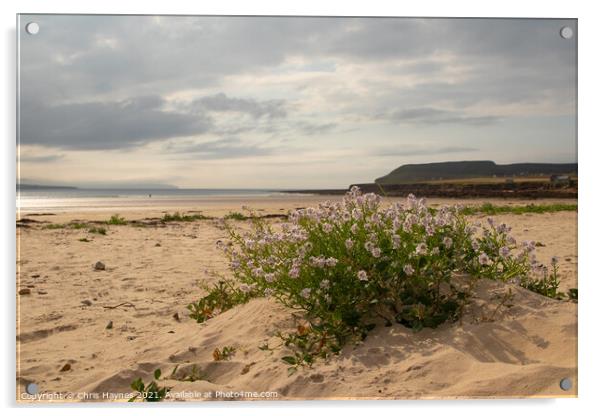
{"points": [[89, 333]]}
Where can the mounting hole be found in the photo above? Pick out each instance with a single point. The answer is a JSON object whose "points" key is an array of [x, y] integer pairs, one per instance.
{"points": [[566, 384], [566, 32], [32, 28], [31, 388]]}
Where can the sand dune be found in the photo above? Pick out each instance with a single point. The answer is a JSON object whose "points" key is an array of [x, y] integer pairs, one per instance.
{"points": [[152, 273]]}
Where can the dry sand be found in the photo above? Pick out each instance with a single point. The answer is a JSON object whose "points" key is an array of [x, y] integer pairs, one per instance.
{"points": [[152, 273]]}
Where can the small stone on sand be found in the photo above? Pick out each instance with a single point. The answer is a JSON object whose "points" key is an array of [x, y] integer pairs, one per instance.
{"points": [[25, 291], [66, 367], [99, 266], [109, 325]]}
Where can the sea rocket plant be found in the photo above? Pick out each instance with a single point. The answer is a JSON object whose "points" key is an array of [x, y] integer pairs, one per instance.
{"points": [[349, 263]]}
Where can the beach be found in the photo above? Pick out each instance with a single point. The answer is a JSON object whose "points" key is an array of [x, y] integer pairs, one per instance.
{"points": [[88, 333]]}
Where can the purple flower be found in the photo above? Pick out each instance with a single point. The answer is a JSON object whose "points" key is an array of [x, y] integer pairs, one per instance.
{"points": [[362, 275], [294, 272], [305, 293], [408, 270], [421, 249], [331, 262], [349, 244], [505, 252], [325, 284], [484, 259], [376, 252], [447, 242]]}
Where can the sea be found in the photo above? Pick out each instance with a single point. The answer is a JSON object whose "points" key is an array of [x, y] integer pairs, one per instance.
{"points": [[79, 199]]}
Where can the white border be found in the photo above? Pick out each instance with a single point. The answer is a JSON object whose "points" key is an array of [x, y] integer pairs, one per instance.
{"points": [[589, 180]]}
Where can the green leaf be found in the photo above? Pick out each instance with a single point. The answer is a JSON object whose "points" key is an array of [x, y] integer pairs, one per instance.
{"points": [[157, 373], [137, 385], [290, 360], [291, 371]]}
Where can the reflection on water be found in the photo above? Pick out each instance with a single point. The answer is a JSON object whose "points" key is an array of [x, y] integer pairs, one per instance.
{"points": [[110, 199]]}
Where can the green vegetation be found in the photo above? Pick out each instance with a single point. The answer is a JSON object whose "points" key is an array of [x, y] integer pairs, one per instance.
{"points": [[54, 226], [77, 226], [117, 220], [193, 375], [344, 267], [235, 216], [224, 354], [490, 209], [72, 225], [222, 296], [186, 218], [150, 392]]}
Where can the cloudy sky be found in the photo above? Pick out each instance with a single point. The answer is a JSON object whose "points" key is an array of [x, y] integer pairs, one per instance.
{"points": [[233, 102]]}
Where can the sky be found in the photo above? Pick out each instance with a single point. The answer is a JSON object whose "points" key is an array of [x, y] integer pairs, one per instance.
{"points": [[284, 102]]}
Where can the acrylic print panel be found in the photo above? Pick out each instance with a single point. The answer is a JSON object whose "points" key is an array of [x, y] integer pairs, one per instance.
{"points": [[215, 208]]}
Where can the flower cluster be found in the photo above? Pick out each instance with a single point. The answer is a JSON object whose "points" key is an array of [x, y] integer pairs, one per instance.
{"points": [[347, 263]]}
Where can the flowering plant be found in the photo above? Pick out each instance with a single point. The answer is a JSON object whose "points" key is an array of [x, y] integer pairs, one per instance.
{"points": [[349, 264]]}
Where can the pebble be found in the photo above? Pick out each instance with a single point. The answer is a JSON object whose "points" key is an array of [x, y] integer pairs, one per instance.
{"points": [[66, 367], [25, 291], [109, 325], [87, 302], [99, 266], [176, 316]]}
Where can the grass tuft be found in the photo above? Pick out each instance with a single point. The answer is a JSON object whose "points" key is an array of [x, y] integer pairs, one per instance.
{"points": [[117, 220], [490, 209], [235, 216]]}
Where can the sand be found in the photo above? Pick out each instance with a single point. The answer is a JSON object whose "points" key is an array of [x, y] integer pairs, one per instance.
{"points": [[152, 273]]}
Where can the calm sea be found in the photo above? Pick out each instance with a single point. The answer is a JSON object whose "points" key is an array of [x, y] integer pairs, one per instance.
{"points": [[48, 200]]}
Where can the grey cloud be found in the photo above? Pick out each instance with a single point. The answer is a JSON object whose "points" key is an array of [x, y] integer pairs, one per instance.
{"points": [[163, 54], [106, 125], [225, 148], [311, 129], [102, 89], [434, 116], [40, 159], [257, 109]]}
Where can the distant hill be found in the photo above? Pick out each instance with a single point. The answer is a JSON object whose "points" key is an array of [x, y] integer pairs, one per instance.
{"points": [[472, 169], [34, 187]]}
